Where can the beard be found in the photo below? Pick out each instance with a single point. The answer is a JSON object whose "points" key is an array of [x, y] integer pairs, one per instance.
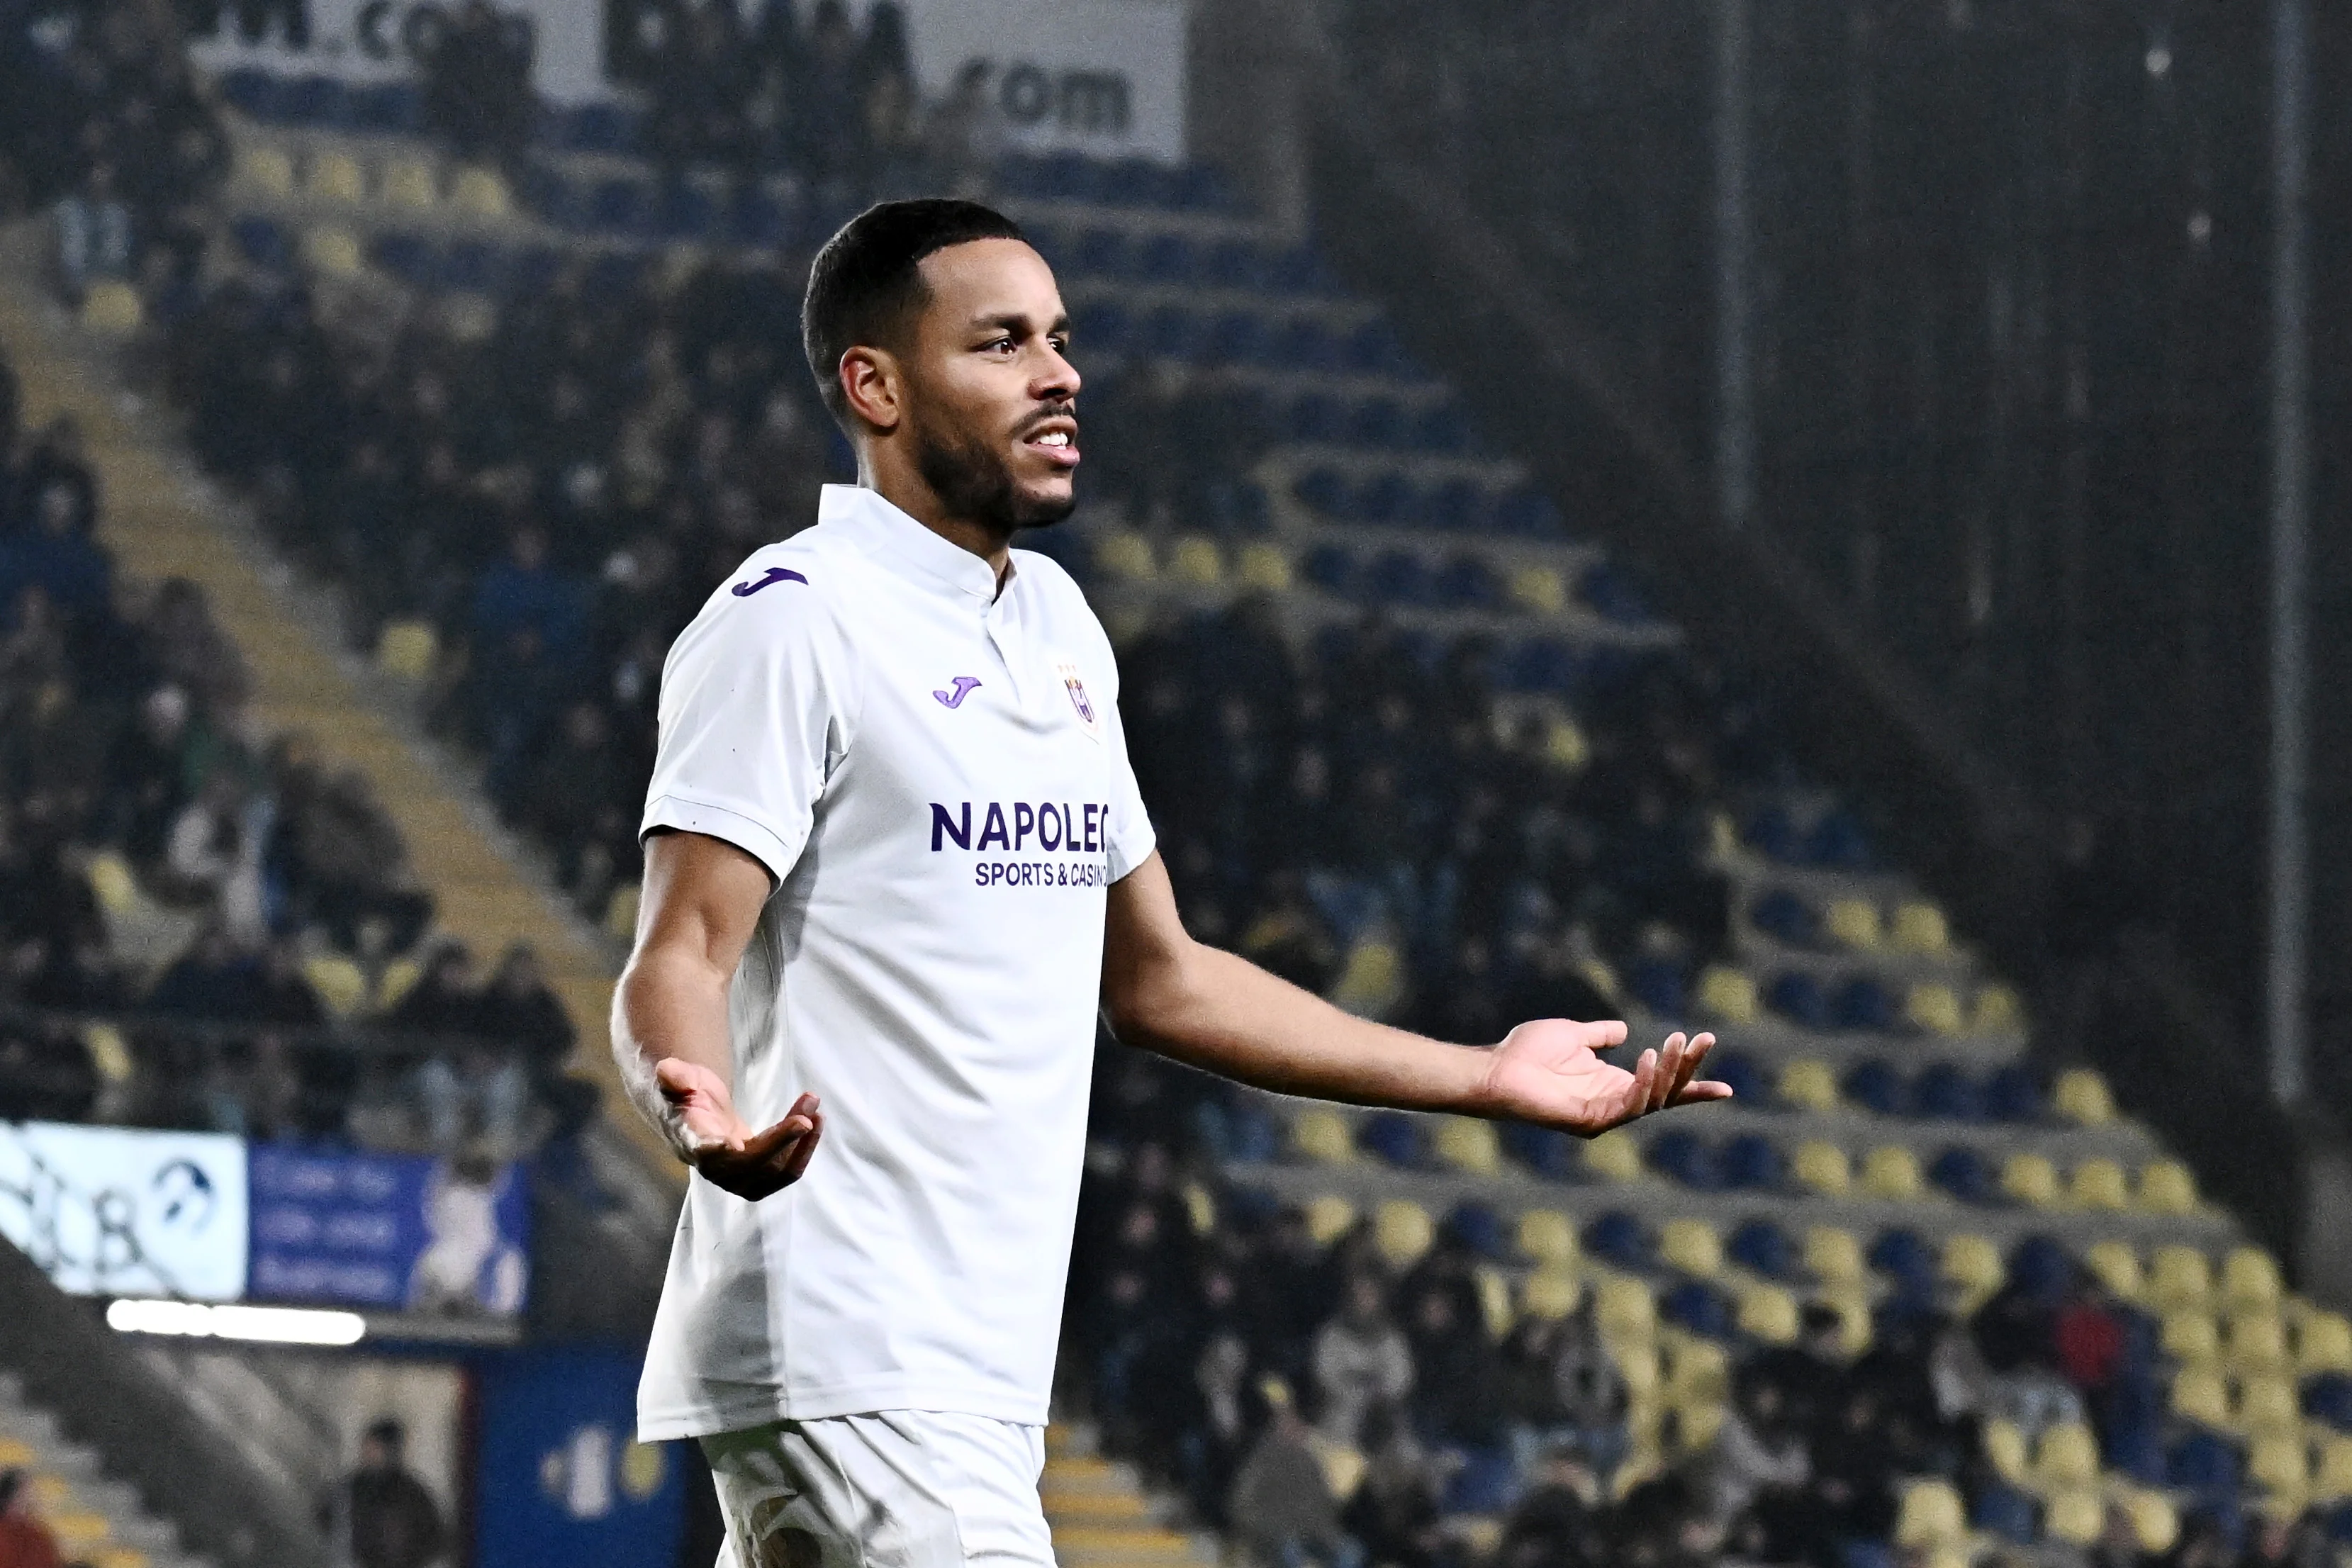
{"points": [[976, 483]]}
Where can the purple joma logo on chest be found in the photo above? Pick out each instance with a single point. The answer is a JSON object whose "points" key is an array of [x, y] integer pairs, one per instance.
{"points": [[775, 574], [963, 686]]}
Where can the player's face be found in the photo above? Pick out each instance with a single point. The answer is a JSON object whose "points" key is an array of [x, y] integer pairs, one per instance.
{"points": [[992, 400]]}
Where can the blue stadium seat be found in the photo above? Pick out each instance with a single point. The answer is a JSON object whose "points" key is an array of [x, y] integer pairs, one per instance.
{"points": [[534, 271], [1399, 577], [1292, 272], [1797, 997], [1786, 918], [1540, 664], [601, 128], [1542, 1149], [1383, 498], [2204, 1462], [264, 242], [1483, 1483], [1105, 328], [1763, 1248], [1478, 1229], [1448, 506], [1393, 1136], [2328, 1397], [2004, 1510], [1372, 349], [1861, 1003], [2042, 1266], [1945, 1092], [2135, 1448], [411, 257], [1838, 842], [2013, 1094], [1618, 1238], [1963, 1173], [1330, 568], [470, 266], [1315, 418], [1609, 590], [1171, 331], [1237, 337], [1750, 1084], [1902, 1256], [1660, 984], [1167, 258], [614, 274], [391, 108], [1466, 582], [1232, 264], [251, 92], [1752, 1163], [1875, 1086], [621, 205], [1198, 187], [1684, 1156], [1100, 253], [1325, 490], [1444, 428], [1526, 514], [1376, 423], [760, 220], [687, 212], [1770, 833], [312, 101], [1698, 1306], [1305, 343]]}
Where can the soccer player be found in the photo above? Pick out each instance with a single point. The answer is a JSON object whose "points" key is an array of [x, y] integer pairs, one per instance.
{"points": [[896, 864]]}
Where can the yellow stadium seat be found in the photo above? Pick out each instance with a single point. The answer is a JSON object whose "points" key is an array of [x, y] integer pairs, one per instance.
{"points": [[407, 649], [118, 1557], [1973, 1264], [1891, 1172], [2256, 1342], [1855, 923], [2099, 1184], [2116, 1265], [1768, 1313], [1547, 1235], [2167, 1187], [2154, 1519], [1996, 1010], [1467, 1145], [2080, 1096], [2005, 1451], [2189, 1338], [1329, 1218], [2331, 1479], [1126, 556], [399, 978], [1920, 927], [2179, 1279], [1564, 745], [1824, 1168], [337, 983], [112, 884], [1495, 1305], [1722, 837], [1614, 1156], [2067, 1456], [481, 193], [2268, 1406], [2030, 1178], [1200, 1208], [1834, 1255], [1809, 1083], [2323, 1343], [2077, 1515], [1728, 995], [1698, 1370], [1697, 1423], [1323, 1135], [109, 1053], [336, 177], [1691, 1246], [1371, 981], [621, 912], [409, 183], [1930, 1516], [2202, 1395], [1855, 1327], [113, 308], [1264, 567], [2277, 1465], [266, 172], [1935, 1007], [333, 251], [14, 1453], [1401, 1232], [1343, 1468], [1625, 1310], [1550, 1293], [2250, 1281], [1196, 563], [1637, 1359], [1539, 589]]}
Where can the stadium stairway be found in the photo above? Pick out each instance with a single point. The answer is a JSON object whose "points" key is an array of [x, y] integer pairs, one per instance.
{"points": [[96, 1520], [1100, 1515], [162, 518]]}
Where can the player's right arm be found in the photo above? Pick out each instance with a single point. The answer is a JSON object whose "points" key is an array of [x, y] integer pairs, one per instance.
{"points": [[701, 900]]}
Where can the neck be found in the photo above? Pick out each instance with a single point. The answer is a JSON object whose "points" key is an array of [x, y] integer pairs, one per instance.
{"points": [[905, 488]]}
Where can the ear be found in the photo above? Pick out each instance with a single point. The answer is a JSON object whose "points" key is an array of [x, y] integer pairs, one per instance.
{"points": [[869, 380]]}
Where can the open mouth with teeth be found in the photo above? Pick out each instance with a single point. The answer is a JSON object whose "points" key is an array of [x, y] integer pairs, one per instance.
{"points": [[1058, 441]]}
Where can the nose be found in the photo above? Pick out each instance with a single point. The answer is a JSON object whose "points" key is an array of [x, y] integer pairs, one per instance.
{"points": [[1058, 379]]}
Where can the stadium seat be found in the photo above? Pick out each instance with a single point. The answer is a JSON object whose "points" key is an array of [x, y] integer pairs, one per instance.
{"points": [[112, 309], [2191, 1338], [333, 251], [1624, 1311], [620, 921], [1797, 997], [1933, 1007], [337, 982], [1692, 1246], [1546, 1236], [1963, 1174], [481, 193], [1618, 1239], [1322, 1136], [2250, 1281], [1394, 1136], [1696, 1307], [1537, 589], [2075, 1515], [2167, 1187], [2254, 1343], [2181, 1278], [1727, 995], [1809, 1084], [1750, 1163], [1401, 1232], [2202, 1395], [2268, 1406], [2276, 1463], [1856, 1325], [1861, 1003], [1891, 1172], [2013, 1094], [1856, 924], [112, 884], [2006, 1450], [1781, 915], [1614, 1156], [1370, 980], [1875, 1086], [2324, 1344], [1768, 1315], [2204, 1462], [1995, 1010], [1930, 1516], [1903, 1256], [1543, 1149], [2081, 1097], [1824, 1168], [1944, 1091], [265, 172], [1834, 1256], [2099, 1184], [407, 649], [1681, 1155], [1196, 563], [399, 978], [1264, 567], [2000, 1509], [336, 177], [1919, 927], [2154, 1521], [1467, 1145], [2030, 1179], [2066, 1456], [408, 183], [1550, 1293], [1329, 1217], [2117, 1266], [2331, 1479], [1696, 1370], [1125, 556]]}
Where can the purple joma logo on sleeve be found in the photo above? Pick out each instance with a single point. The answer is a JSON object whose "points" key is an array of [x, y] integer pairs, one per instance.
{"points": [[963, 686], [775, 574]]}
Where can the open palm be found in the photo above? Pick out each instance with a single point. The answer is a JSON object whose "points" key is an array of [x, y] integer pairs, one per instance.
{"points": [[704, 1128], [1546, 1072]]}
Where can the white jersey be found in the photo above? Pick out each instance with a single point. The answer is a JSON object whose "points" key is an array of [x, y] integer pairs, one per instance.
{"points": [[935, 775]]}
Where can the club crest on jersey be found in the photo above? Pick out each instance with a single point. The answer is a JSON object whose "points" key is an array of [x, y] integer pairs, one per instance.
{"points": [[1076, 687]]}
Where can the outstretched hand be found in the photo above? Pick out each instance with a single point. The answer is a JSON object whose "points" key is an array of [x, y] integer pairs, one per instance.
{"points": [[1546, 1072], [709, 1136]]}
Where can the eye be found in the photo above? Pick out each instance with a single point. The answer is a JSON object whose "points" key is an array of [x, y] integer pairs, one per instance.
{"points": [[999, 345]]}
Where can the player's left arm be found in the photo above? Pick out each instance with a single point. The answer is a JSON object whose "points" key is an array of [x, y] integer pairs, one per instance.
{"points": [[1218, 1011]]}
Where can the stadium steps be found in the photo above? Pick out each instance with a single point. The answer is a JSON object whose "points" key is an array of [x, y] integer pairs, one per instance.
{"points": [[97, 1522], [1100, 1514], [160, 518]]}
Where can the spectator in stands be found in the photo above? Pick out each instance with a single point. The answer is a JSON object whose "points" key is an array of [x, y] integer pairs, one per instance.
{"points": [[1282, 1510], [94, 234], [55, 552], [24, 1541], [1560, 1391], [212, 854], [1555, 1524], [343, 855], [1362, 1361], [1392, 1513], [829, 123], [478, 84], [380, 1515], [1758, 1454], [469, 1086], [1455, 1371]]}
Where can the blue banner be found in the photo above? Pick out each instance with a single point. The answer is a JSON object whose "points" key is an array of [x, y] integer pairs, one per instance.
{"points": [[562, 1478], [392, 1232]]}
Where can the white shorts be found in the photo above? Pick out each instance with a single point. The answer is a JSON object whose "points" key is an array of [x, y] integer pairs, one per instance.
{"points": [[900, 1489]]}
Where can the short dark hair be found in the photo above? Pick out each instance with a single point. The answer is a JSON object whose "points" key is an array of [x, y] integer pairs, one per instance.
{"points": [[864, 283]]}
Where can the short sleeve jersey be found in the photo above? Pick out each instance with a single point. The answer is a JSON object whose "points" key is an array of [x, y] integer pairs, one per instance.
{"points": [[934, 774]]}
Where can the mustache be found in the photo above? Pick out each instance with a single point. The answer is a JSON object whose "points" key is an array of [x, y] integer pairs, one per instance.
{"points": [[1047, 416]]}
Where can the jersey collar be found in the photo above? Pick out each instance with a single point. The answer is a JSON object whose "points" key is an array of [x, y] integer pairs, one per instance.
{"points": [[882, 529]]}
